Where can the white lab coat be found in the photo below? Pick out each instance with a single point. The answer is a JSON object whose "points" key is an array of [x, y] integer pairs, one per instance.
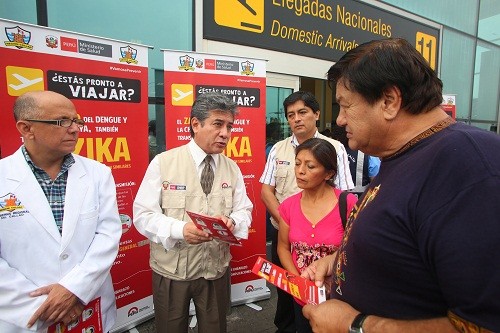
{"points": [[33, 253]]}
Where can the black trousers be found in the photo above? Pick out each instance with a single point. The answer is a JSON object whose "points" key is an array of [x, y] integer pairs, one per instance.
{"points": [[284, 319], [301, 322]]}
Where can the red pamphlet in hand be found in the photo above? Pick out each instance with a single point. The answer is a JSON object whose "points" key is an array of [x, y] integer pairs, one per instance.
{"points": [[295, 285], [215, 227], [90, 321]]}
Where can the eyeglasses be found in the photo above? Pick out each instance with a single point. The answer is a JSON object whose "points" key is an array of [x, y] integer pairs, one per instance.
{"points": [[61, 122]]}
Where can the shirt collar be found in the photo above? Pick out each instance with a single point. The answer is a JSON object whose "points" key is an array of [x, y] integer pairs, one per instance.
{"points": [[199, 155], [68, 161], [295, 142]]}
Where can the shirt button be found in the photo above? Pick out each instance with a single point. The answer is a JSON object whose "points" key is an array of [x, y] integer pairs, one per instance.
{"points": [[64, 256], [312, 235]]}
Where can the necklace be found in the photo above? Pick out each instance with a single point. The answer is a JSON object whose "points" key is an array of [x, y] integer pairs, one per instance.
{"points": [[425, 134]]}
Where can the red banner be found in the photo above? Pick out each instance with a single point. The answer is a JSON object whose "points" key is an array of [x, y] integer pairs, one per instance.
{"points": [[188, 75], [449, 105], [107, 82]]}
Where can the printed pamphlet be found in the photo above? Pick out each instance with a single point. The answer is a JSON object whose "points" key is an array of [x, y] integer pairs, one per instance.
{"points": [[295, 285], [215, 227], [89, 321]]}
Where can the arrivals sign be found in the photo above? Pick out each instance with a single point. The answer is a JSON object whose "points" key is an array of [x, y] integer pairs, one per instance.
{"points": [[313, 28], [107, 82], [188, 75]]}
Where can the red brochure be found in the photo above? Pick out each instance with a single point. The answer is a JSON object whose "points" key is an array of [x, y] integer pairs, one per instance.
{"points": [[215, 227], [90, 321], [297, 286]]}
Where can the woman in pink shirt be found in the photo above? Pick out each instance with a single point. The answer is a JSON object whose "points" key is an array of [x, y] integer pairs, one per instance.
{"points": [[310, 226]]}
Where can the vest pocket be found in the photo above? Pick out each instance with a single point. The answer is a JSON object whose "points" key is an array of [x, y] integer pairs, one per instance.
{"points": [[281, 176], [228, 204], [224, 256], [166, 261], [173, 205]]}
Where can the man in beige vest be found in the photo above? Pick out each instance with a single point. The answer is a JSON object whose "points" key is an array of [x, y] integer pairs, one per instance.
{"points": [[186, 262], [278, 179]]}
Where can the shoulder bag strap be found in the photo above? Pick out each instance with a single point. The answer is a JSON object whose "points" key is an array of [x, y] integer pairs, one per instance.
{"points": [[343, 207]]}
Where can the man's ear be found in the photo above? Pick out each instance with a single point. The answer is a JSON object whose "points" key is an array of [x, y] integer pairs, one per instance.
{"points": [[391, 102], [317, 114], [24, 127], [195, 124]]}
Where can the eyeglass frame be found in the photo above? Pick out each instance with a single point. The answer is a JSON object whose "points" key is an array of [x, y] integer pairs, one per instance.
{"points": [[79, 122]]}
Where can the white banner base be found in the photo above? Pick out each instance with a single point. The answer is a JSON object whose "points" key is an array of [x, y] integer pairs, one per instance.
{"points": [[249, 291], [133, 314]]}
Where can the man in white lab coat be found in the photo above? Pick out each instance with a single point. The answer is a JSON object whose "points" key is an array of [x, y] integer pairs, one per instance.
{"points": [[59, 221]]}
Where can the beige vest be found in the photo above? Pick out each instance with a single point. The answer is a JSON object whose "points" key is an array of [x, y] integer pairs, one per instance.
{"points": [[182, 191], [286, 183]]}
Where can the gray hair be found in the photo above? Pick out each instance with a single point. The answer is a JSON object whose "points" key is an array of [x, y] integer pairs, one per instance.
{"points": [[211, 101], [26, 107]]}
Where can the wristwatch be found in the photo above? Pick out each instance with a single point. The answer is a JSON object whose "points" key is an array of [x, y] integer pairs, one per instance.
{"points": [[357, 323]]}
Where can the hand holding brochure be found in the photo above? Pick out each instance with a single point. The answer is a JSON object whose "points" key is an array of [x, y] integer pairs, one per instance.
{"points": [[215, 227], [90, 321], [297, 286]]}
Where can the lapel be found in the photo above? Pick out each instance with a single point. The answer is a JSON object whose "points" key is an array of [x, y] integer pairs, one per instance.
{"points": [[25, 186], [76, 190]]}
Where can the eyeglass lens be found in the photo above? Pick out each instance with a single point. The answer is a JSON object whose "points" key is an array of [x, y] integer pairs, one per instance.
{"points": [[69, 122]]}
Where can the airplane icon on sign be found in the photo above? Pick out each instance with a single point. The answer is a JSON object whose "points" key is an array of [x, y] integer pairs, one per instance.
{"points": [[247, 6], [181, 94], [240, 14], [24, 82]]}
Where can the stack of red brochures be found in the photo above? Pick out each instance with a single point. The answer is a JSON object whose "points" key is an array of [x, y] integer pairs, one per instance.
{"points": [[297, 286]]}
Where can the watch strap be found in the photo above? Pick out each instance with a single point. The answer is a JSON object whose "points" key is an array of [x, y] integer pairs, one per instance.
{"points": [[357, 323]]}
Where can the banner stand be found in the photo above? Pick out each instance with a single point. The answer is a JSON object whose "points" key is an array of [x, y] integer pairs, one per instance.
{"points": [[107, 81], [190, 74]]}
